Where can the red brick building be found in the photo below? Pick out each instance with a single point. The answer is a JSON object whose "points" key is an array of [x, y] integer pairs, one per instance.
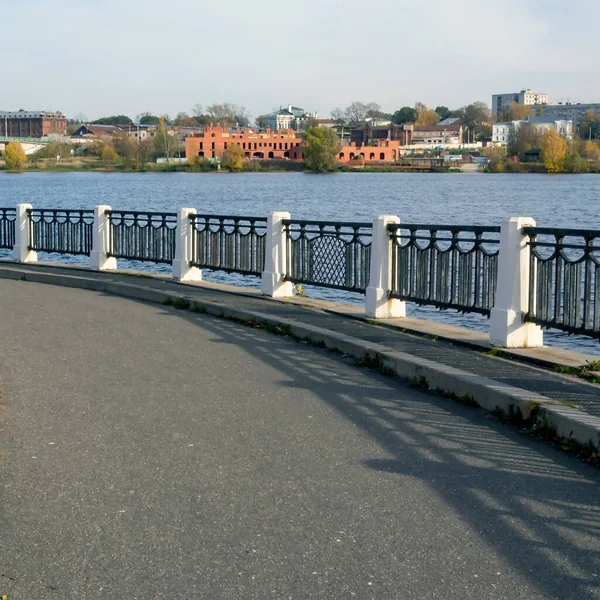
{"points": [[32, 124], [215, 139]]}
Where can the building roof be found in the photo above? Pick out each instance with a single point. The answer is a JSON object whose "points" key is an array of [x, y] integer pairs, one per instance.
{"points": [[100, 130], [438, 127], [30, 114], [450, 121], [544, 119]]}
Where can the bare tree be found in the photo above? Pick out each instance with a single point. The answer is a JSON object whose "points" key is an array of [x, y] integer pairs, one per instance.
{"points": [[356, 113], [229, 114], [338, 114], [166, 142]]}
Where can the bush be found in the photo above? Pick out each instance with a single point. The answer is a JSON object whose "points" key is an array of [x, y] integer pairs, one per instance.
{"points": [[14, 156], [573, 163]]}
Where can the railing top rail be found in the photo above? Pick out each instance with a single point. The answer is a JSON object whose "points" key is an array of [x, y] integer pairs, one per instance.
{"points": [[8, 209], [394, 227], [140, 213], [303, 222], [61, 210], [562, 232], [196, 216]]}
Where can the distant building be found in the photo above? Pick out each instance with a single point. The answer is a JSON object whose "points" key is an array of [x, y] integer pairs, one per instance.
{"points": [[288, 117], [500, 102], [444, 135], [569, 112], [502, 131], [215, 139], [99, 131], [367, 135], [32, 124]]}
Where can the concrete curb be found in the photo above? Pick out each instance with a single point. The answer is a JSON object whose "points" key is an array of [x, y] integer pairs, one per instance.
{"points": [[569, 423]]}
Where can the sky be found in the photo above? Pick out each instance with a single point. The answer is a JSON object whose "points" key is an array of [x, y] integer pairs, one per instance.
{"points": [[105, 57]]}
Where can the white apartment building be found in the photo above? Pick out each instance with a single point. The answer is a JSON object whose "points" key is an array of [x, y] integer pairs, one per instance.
{"points": [[501, 131], [501, 102]]}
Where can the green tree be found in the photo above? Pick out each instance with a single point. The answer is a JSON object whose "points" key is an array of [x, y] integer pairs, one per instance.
{"points": [[114, 120], [148, 119], [322, 147], [233, 158], [554, 151], [405, 115], [14, 156], [475, 117], [573, 163], [522, 138], [443, 111]]}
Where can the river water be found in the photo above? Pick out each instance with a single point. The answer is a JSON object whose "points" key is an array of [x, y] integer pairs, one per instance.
{"points": [[445, 198]]}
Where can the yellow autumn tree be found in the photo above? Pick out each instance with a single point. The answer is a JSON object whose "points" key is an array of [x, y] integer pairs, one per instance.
{"points": [[591, 150], [14, 156], [554, 150], [425, 117], [233, 158], [108, 155]]}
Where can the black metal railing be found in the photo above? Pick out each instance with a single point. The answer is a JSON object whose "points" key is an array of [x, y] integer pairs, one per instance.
{"points": [[447, 266], [328, 254], [143, 236], [7, 227], [60, 231], [564, 279], [230, 244]]}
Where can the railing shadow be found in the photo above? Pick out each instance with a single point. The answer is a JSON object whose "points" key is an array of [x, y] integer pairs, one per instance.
{"points": [[536, 508]]}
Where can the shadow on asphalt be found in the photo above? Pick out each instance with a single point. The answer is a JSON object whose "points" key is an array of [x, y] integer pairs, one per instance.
{"points": [[513, 491]]}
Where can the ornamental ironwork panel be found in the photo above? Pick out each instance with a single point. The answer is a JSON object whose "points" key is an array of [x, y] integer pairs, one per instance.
{"points": [[327, 254], [447, 266], [61, 231], [7, 227], [564, 284], [143, 236], [230, 244]]}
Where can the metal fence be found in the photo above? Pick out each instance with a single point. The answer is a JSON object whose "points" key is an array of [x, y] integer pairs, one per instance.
{"points": [[445, 266], [143, 236], [333, 255], [231, 244], [61, 231], [564, 279], [7, 227]]}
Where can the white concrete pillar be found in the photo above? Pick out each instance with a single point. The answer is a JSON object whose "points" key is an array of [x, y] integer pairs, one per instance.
{"points": [[378, 304], [507, 327], [21, 251], [273, 283], [99, 259], [182, 271]]}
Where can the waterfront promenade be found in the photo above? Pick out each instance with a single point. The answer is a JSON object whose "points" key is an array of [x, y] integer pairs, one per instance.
{"points": [[155, 453]]}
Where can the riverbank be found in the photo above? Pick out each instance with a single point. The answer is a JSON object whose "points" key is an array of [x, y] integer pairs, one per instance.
{"points": [[270, 166]]}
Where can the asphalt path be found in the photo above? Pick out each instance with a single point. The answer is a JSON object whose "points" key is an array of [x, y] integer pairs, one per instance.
{"points": [[150, 454]]}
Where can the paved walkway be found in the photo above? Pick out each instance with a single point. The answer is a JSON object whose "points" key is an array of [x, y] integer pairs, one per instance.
{"points": [[565, 388], [152, 453]]}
